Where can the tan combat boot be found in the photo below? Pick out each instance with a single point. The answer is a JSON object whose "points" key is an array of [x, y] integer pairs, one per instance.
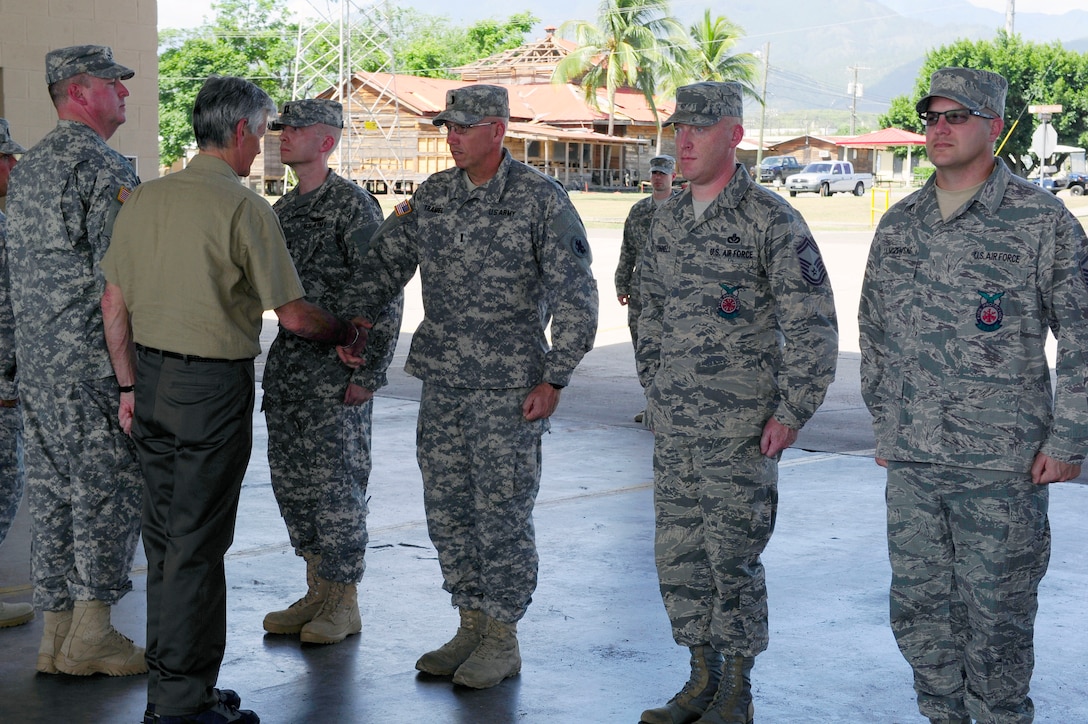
{"points": [[445, 660], [291, 619], [496, 658], [338, 617], [692, 700], [732, 703], [94, 646], [56, 626], [15, 614]]}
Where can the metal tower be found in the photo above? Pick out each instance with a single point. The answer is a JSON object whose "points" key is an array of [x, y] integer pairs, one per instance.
{"points": [[346, 37]]}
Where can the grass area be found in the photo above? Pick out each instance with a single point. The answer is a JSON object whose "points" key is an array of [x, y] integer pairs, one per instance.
{"points": [[841, 212]]}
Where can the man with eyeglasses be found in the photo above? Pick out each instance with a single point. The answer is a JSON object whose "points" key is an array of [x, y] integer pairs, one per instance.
{"points": [[964, 279], [500, 251], [737, 346]]}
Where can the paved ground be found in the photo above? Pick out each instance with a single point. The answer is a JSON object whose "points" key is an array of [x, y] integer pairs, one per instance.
{"points": [[595, 642]]}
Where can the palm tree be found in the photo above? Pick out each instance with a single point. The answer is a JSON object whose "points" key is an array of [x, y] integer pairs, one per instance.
{"points": [[623, 50], [710, 57]]}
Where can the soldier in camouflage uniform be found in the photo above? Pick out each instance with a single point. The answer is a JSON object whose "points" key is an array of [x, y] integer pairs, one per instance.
{"points": [[83, 482], [501, 251], [636, 229], [964, 278], [11, 417], [737, 346], [318, 410]]}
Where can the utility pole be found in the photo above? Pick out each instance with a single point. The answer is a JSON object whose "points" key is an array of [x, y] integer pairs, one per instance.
{"points": [[1010, 14], [763, 112], [854, 90]]}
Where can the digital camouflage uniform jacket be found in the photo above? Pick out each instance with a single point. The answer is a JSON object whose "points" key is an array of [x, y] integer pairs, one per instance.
{"points": [[63, 197], [8, 389], [328, 232], [953, 318], [738, 319], [496, 263], [636, 230]]}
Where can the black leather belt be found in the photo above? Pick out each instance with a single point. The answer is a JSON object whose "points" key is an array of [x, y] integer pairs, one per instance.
{"points": [[184, 357]]}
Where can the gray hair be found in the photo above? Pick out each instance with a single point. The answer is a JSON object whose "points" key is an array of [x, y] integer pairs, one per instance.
{"points": [[221, 103]]}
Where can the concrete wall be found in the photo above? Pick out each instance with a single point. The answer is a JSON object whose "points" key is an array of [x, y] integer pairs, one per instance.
{"points": [[31, 28]]}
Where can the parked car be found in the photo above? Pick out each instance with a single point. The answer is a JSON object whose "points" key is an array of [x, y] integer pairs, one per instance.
{"points": [[1076, 183], [829, 177], [1053, 184], [778, 168]]}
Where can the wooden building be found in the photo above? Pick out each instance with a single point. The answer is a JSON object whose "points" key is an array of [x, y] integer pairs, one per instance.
{"points": [[391, 143]]}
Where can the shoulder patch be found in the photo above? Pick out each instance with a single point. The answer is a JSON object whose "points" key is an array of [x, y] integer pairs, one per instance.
{"points": [[579, 246], [123, 193], [403, 208]]}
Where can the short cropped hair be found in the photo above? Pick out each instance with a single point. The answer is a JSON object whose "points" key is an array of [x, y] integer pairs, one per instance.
{"points": [[221, 103]]}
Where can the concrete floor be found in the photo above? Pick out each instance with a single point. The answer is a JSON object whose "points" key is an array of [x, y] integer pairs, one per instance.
{"points": [[596, 643]]}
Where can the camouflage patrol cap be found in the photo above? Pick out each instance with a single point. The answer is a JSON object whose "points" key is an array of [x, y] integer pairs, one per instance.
{"points": [[975, 89], [96, 60], [662, 164], [8, 146], [706, 103], [309, 112], [473, 103]]}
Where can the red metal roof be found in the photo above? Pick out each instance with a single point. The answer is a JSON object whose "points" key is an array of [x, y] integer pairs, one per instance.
{"points": [[885, 137], [555, 104]]}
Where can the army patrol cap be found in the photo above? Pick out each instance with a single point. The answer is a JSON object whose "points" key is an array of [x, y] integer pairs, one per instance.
{"points": [[96, 60], [975, 89], [8, 146], [662, 164], [706, 103], [309, 112], [473, 103]]}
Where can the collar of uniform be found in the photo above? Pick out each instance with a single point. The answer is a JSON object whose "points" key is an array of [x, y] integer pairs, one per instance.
{"points": [[493, 189], [295, 198], [77, 127], [737, 187], [989, 196], [733, 193], [206, 163]]}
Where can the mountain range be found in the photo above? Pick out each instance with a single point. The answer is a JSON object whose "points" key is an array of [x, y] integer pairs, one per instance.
{"points": [[817, 46]]}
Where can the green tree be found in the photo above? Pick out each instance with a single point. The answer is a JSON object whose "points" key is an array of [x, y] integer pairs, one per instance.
{"points": [[1037, 74], [252, 39], [627, 48]]}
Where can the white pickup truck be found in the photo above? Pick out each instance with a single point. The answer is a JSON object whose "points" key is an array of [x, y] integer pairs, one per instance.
{"points": [[829, 177]]}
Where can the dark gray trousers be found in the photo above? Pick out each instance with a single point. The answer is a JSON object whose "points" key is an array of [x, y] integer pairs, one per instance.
{"points": [[193, 431]]}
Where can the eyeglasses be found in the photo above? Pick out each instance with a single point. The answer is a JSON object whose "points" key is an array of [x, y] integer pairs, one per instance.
{"points": [[458, 130], [955, 117]]}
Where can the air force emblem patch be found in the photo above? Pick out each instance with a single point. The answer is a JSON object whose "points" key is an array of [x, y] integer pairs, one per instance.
{"points": [[729, 304], [989, 314]]}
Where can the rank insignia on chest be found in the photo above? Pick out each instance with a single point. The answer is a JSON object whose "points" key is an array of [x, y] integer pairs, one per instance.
{"points": [[729, 304], [989, 314]]}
